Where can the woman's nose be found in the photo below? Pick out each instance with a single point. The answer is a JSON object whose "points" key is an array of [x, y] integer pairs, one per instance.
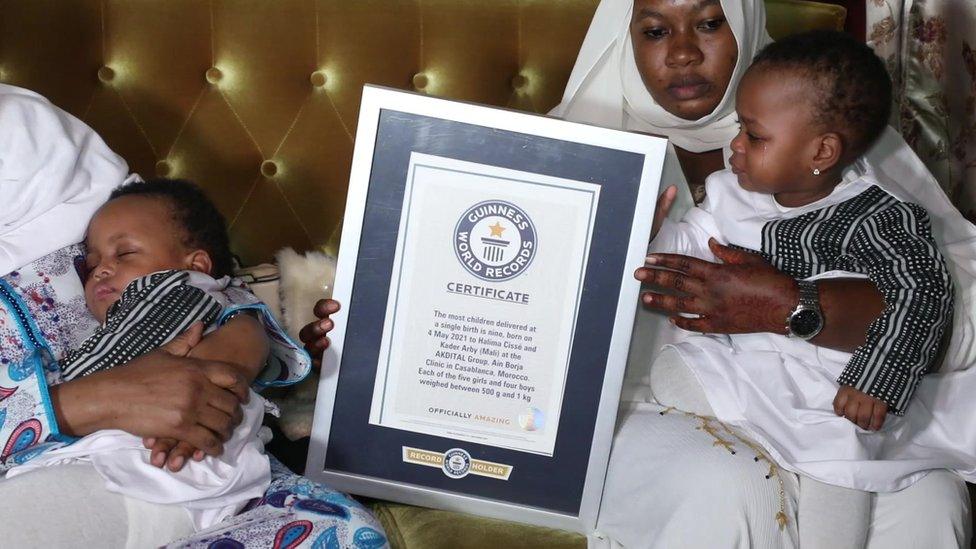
{"points": [[684, 50]]}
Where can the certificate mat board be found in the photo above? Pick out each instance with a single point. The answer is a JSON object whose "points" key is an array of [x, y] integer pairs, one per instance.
{"points": [[486, 277]]}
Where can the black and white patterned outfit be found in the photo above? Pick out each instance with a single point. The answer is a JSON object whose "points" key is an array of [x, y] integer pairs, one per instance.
{"points": [[154, 309], [890, 242], [781, 389], [151, 311]]}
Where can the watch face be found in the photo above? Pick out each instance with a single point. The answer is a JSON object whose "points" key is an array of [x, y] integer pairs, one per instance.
{"points": [[806, 323]]}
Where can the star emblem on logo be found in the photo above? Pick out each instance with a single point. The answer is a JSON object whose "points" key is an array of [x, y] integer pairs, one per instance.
{"points": [[496, 229]]}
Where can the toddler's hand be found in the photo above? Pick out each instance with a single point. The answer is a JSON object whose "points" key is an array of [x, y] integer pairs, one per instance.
{"points": [[863, 410], [171, 452]]}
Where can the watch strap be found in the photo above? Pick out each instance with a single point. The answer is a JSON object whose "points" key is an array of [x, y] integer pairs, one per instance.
{"points": [[809, 295]]}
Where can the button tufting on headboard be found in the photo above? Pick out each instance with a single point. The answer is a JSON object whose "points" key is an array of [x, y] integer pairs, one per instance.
{"points": [[163, 169], [106, 74], [269, 168], [420, 81], [318, 79], [520, 81], [213, 75]]}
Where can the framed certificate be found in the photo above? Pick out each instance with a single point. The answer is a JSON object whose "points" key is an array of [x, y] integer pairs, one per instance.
{"points": [[486, 276]]}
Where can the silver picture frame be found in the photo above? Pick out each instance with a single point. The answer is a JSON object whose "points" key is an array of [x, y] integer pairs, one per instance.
{"points": [[348, 437]]}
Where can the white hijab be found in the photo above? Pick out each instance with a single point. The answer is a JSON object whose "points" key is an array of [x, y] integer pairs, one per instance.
{"points": [[605, 89], [55, 172]]}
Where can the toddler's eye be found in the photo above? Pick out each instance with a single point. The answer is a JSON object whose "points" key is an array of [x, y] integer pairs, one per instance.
{"points": [[125, 253]]}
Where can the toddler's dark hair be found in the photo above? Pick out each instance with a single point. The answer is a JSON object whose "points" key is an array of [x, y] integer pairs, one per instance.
{"points": [[849, 81], [203, 226]]}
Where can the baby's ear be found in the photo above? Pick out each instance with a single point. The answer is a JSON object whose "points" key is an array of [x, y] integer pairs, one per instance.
{"points": [[199, 260]]}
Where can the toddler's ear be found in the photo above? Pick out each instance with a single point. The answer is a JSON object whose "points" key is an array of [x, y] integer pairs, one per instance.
{"points": [[830, 151], [199, 260]]}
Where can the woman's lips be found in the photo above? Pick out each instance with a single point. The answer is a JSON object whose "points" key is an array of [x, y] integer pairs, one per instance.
{"points": [[689, 87]]}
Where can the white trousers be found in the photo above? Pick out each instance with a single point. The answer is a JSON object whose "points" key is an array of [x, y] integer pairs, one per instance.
{"points": [[828, 517], [678, 481], [67, 506]]}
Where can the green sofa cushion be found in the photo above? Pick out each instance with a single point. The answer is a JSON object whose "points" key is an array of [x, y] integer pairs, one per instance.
{"points": [[409, 527]]}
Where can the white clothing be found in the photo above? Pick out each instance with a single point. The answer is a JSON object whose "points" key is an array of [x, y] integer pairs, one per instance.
{"points": [[210, 490], [933, 513], [672, 484], [828, 517], [669, 507], [68, 507], [702, 495], [780, 390], [902, 174], [674, 384], [831, 517]]}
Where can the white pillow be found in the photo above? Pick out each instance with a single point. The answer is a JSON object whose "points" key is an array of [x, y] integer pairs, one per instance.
{"points": [[54, 173]]}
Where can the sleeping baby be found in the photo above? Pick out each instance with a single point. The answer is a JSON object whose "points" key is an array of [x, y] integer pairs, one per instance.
{"points": [[157, 266]]}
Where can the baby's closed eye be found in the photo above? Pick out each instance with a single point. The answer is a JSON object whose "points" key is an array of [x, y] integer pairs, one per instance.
{"points": [[82, 268]]}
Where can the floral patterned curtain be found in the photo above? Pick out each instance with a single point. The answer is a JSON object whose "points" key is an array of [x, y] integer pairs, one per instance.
{"points": [[928, 46]]}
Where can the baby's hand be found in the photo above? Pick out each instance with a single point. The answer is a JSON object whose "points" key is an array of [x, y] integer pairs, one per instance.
{"points": [[863, 410], [171, 452]]}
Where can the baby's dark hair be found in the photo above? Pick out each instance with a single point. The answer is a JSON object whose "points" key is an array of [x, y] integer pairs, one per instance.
{"points": [[203, 226], [849, 82]]}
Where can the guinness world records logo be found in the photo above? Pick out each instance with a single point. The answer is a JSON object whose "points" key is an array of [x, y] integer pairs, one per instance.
{"points": [[457, 463], [495, 240]]}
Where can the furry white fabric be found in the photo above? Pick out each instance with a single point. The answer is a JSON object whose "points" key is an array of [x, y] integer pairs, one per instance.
{"points": [[304, 279]]}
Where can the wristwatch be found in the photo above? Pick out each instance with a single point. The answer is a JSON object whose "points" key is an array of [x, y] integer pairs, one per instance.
{"points": [[806, 321]]}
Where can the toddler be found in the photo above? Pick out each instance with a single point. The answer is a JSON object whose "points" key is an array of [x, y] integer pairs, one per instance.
{"points": [[797, 194], [158, 261]]}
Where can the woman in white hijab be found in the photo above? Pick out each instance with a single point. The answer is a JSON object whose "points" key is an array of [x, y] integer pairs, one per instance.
{"points": [[667, 67]]}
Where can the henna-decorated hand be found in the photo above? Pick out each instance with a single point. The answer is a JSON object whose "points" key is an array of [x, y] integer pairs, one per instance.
{"points": [[743, 294], [862, 409]]}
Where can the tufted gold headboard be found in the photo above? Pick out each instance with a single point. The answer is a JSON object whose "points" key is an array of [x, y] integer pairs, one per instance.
{"points": [[257, 100]]}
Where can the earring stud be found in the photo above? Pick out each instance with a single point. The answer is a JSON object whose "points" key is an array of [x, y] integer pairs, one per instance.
{"points": [[816, 171]]}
